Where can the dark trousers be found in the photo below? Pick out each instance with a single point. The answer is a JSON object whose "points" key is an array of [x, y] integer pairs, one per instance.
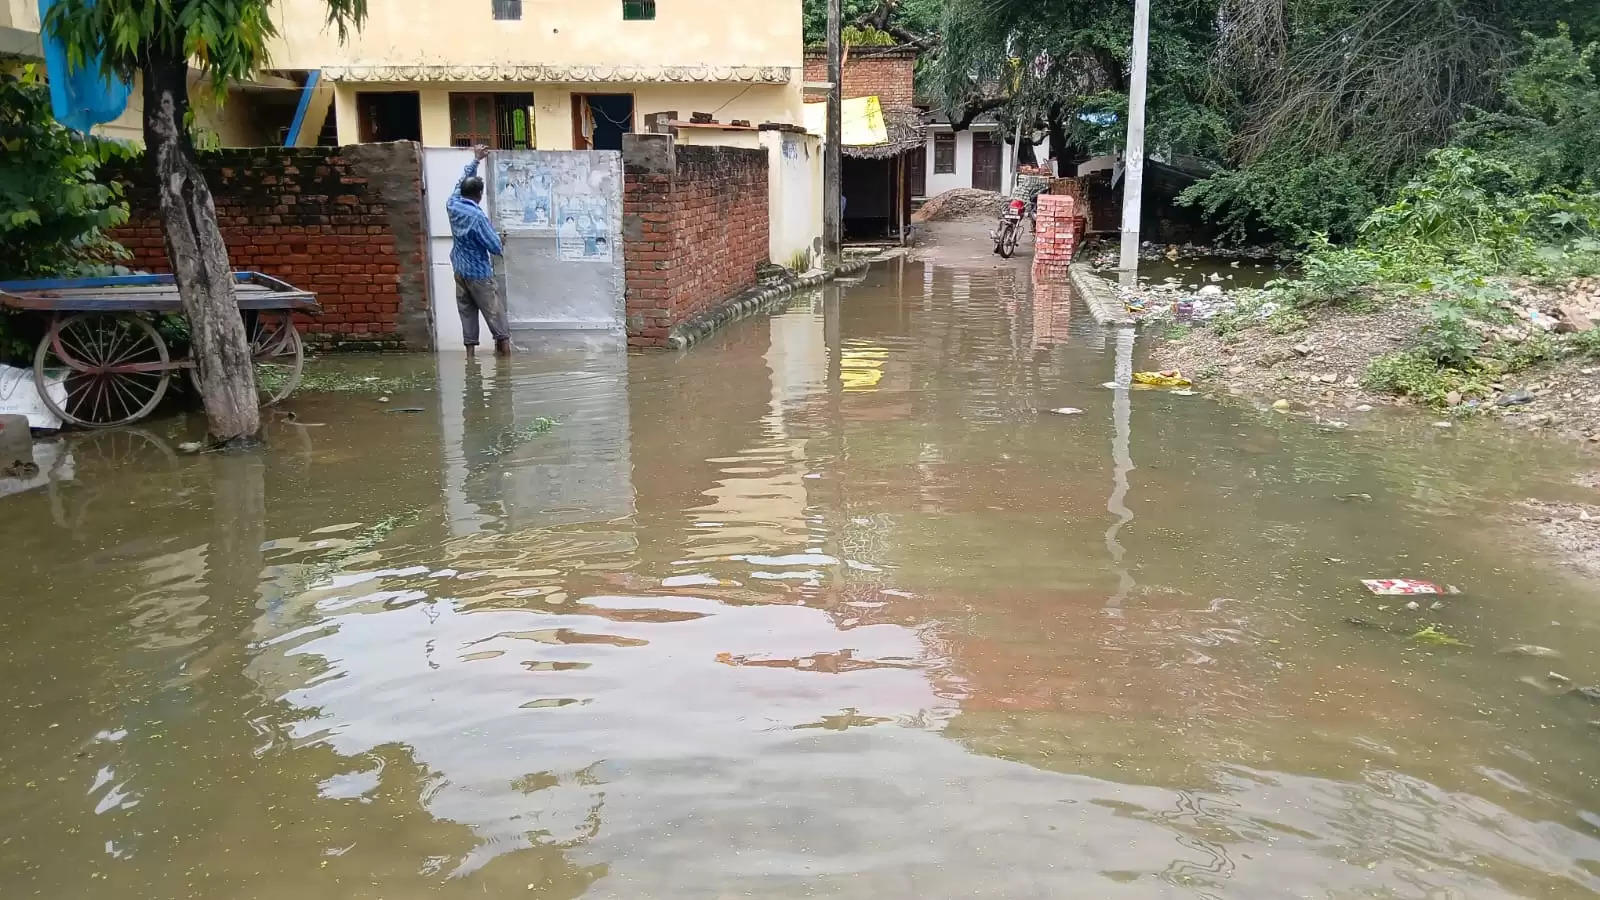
{"points": [[478, 295]]}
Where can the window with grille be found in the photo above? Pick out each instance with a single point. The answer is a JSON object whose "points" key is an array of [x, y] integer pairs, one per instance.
{"points": [[944, 153], [638, 10], [507, 9], [498, 121]]}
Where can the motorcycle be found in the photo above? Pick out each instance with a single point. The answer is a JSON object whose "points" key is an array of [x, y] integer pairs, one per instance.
{"points": [[1009, 231]]}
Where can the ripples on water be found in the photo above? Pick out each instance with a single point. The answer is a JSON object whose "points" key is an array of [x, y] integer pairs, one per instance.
{"points": [[768, 619]]}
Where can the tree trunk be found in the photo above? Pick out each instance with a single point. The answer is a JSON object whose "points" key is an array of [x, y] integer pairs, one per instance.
{"points": [[198, 257]]}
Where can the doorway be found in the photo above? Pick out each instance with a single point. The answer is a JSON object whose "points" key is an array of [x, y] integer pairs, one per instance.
{"points": [[917, 165], [600, 120], [389, 116], [986, 157]]}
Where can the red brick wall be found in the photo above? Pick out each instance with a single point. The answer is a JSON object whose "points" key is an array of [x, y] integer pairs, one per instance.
{"points": [[890, 76], [695, 223], [346, 223]]}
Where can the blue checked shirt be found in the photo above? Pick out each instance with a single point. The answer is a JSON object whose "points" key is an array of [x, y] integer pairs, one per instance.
{"points": [[475, 237]]}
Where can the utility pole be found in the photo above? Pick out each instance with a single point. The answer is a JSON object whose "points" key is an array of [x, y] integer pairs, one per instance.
{"points": [[832, 165], [1133, 158]]}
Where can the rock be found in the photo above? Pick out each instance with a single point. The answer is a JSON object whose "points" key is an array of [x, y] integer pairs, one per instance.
{"points": [[1365, 407], [1302, 349], [1575, 317], [1328, 378], [1518, 397], [1281, 405], [16, 443], [1210, 290], [1453, 398], [1413, 606], [1532, 650]]}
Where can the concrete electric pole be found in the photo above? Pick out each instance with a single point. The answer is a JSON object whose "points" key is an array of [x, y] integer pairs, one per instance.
{"points": [[1133, 159], [832, 165]]}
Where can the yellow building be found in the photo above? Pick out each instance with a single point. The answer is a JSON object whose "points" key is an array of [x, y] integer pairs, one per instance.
{"points": [[547, 74]]}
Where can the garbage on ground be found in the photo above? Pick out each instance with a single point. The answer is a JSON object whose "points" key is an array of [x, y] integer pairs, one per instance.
{"points": [[1558, 678], [1172, 378], [1532, 650], [1182, 392], [19, 395], [1067, 411], [1518, 397], [1405, 587]]}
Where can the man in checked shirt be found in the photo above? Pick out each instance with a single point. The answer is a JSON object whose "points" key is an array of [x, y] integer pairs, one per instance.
{"points": [[475, 239]]}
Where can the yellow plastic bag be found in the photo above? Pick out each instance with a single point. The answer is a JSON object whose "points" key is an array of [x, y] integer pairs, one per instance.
{"points": [[1162, 379]]}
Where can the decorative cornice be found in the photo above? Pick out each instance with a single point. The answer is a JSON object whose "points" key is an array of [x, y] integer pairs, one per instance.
{"points": [[585, 74]]}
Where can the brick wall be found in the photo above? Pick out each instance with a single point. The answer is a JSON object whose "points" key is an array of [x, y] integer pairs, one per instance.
{"points": [[694, 227], [889, 75], [346, 223], [1055, 236]]}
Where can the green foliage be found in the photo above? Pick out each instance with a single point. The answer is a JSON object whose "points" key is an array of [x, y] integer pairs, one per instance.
{"points": [[226, 39], [53, 209], [1448, 340], [916, 16], [1586, 343], [1285, 197], [1434, 636], [1413, 373]]}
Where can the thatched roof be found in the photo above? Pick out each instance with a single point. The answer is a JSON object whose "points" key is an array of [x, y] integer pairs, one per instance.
{"points": [[904, 126]]}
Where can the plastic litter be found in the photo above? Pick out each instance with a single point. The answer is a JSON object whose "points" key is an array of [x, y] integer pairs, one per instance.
{"points": [[1405, 587], [1171, 378], [1067, 411]]}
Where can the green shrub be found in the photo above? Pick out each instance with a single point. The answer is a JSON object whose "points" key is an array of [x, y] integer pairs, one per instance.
{"points": [[1413, 373]]}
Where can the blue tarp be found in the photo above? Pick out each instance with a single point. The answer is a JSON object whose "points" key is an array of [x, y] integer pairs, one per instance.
{"points": [[80, 98]]}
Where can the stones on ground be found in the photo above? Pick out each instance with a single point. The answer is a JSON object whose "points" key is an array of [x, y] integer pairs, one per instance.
{"points": [[1453, 398], [1281, 405], [1328, 378], [1303, 349], [1530, 650], [1365, 407]]}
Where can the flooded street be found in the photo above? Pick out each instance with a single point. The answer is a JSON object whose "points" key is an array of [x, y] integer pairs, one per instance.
{"points": [[828, 606]]}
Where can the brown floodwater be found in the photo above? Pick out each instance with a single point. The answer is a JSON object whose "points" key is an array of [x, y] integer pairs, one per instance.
{"points": [[830, 606]]}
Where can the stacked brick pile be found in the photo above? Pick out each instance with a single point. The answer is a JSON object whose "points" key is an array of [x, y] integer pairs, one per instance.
{"points": [[1055, 237], [1073, 187], [345, 223], [694, 230]]}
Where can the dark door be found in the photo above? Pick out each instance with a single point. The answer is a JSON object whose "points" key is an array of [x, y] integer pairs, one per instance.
{"points": [[917, 167], [600, 120], [985, 161], [389, 116]]}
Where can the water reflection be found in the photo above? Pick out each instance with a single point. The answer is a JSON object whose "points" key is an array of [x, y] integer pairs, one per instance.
{"points": [[818, 609]]}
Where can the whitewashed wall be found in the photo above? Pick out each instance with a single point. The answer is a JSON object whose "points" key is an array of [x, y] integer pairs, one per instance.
{"points": [[794, 187]]}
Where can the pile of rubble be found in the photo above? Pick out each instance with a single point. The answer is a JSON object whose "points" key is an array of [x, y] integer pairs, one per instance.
{"points": [[1105, 253], [1574, 306], [961, 205]]}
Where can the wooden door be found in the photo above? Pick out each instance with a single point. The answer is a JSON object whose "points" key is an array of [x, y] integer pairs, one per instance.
{"points": [[917, 165], [986, 158]]}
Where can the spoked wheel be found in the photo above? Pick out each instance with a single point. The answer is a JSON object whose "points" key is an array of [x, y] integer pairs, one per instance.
{"points": [[113, 369], [278, 352], [1008, 241]]}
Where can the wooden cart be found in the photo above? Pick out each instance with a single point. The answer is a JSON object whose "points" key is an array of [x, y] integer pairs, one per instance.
{"points": [[102, 362]]}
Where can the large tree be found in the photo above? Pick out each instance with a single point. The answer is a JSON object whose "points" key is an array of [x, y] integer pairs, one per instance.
{"points": [[158, 41]]}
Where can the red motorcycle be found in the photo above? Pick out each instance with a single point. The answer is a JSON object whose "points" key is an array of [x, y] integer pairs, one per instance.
{"points": [[1009, 231]]}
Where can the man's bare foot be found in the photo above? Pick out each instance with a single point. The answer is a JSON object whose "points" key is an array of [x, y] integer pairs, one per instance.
{"points": [[502, 347]]}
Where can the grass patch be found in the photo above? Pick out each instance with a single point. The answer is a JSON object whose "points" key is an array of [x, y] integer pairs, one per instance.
{"points": [[1412, 373], [366, 539], [1176, 332], [512, 438]]}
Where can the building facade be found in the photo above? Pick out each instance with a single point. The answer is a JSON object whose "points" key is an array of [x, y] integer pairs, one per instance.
{"points": [[979, 157], [537, 74]]}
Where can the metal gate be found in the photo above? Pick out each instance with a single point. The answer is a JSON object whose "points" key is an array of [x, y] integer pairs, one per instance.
{"points": [[560, 214]]}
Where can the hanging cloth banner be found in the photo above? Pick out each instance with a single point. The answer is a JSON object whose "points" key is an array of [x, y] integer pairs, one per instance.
{"points": [[81, 98]]}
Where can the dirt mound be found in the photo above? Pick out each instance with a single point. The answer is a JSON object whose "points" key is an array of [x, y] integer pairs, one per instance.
{"points": [[960, 205]]}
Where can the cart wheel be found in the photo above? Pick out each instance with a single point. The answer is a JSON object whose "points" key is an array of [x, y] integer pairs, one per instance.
{"points": [[279, 355], [116, 368]]}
